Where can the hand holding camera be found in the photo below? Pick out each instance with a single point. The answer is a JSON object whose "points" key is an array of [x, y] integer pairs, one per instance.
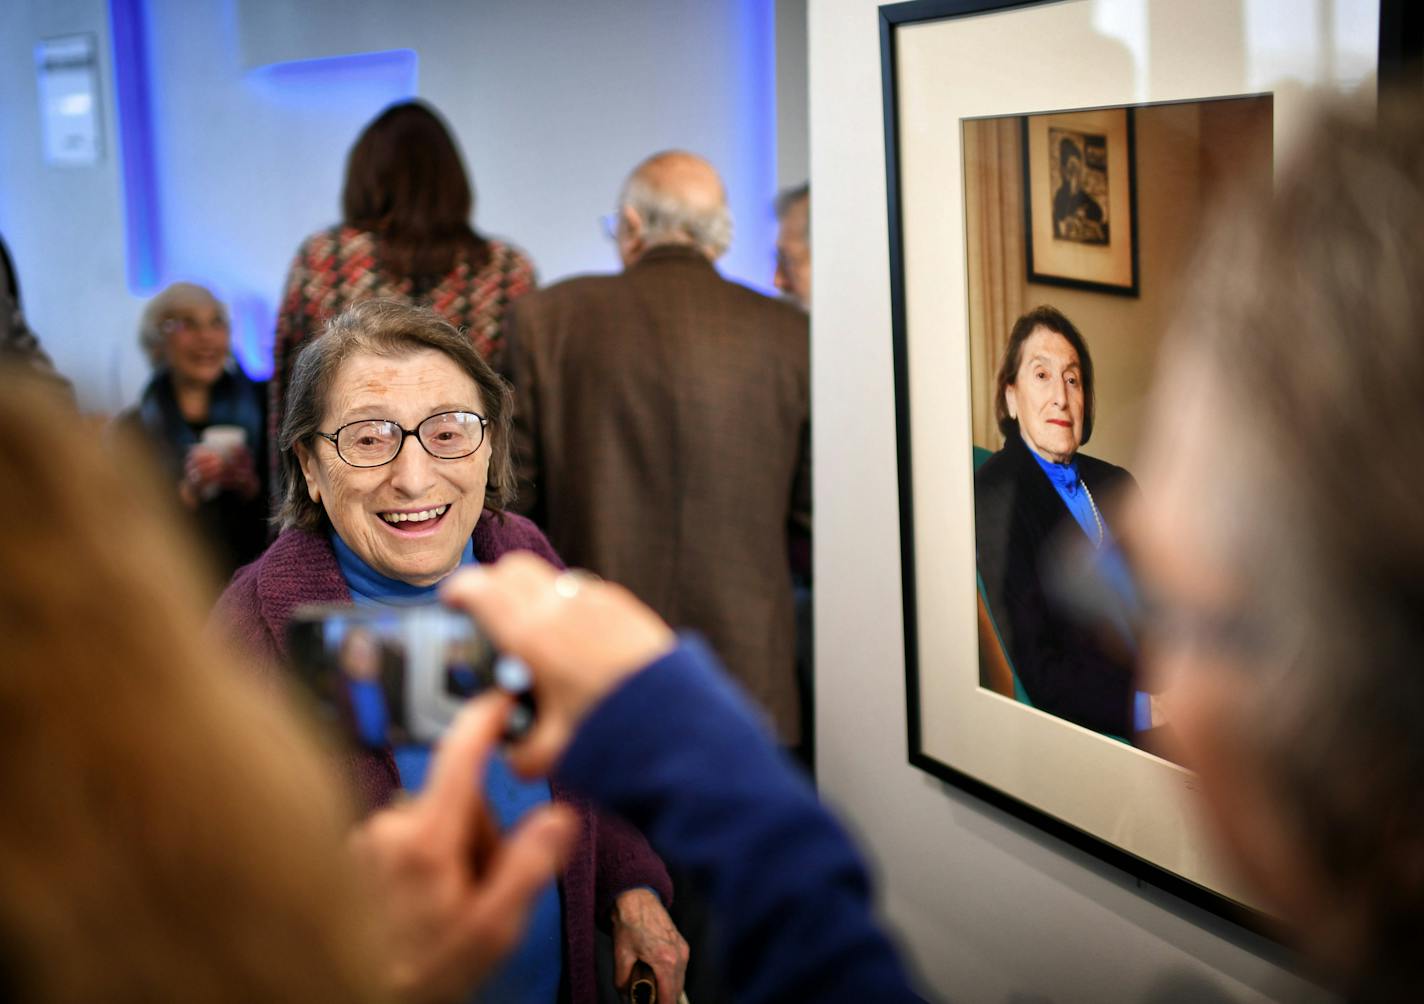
{"points": [[580, 636]]}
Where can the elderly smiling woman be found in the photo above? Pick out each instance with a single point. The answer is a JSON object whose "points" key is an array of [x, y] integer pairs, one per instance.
{"points": [[395, 454], [204, 421]]}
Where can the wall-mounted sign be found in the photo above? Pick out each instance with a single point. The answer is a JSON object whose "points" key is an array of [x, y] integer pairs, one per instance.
{"points": [[68, 71]]}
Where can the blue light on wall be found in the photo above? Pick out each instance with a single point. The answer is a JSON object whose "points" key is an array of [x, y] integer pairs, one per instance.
{"points": [[143, 252], [754, 170], [341, 81]]}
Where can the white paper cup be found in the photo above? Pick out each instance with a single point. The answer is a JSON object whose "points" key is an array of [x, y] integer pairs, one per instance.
{"points": [[224, 439]]}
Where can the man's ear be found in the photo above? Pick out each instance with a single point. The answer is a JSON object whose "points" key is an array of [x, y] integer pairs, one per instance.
{"points": [[1011, 402], [309, 466], [630, 234]]}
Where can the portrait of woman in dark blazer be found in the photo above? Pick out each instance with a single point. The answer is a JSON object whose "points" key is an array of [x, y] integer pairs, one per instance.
{"points": [[1028, 497]]}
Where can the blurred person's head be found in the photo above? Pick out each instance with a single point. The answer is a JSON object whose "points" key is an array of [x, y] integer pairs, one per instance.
{"points": [[1281, 531], [673, 198], [396, 435], [406, 183], [360, 654], [1044, 388], [166, 831], [185, 330], [793, 245]]}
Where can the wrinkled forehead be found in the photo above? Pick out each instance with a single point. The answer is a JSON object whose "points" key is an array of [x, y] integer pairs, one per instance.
{"points": [[1048, 346], [406, 387]]}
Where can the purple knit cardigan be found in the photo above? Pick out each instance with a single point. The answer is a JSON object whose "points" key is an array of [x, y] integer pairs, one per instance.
{"points": [[609, 858]]}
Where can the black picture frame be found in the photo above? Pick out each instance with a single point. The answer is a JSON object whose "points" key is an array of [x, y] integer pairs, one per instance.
{"points": [[1401, 46]]}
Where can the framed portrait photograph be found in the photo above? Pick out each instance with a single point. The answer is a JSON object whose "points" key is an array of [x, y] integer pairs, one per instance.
{"points": [[1021, 189], [1080, 221]]}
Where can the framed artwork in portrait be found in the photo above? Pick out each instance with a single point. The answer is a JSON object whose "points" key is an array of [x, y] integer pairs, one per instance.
{"points": [[1036, 159], [1080, 220]]}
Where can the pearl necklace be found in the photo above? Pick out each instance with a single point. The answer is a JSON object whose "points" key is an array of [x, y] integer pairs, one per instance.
{"points": [[1097, 517]]}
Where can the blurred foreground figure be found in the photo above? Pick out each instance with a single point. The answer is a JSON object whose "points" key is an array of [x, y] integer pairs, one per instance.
{"points": [[168, 832], [1281, 540]]}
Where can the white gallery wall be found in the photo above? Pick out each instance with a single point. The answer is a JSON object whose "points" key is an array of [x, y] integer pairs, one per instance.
{"points": [[256, 102], [987, 907]]}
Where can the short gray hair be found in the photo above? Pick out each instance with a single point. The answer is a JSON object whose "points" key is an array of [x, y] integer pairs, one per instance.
{"points": [[151, 336], [392, 329], [669, 220]]}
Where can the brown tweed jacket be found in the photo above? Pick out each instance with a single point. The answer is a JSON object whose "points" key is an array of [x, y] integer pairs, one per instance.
{"points": [[661, 440]]}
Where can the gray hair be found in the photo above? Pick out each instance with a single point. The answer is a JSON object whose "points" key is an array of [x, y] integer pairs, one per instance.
{"points": [[668, 219], [1306, 319], [789, 198], [151, 336], [391, 329]]}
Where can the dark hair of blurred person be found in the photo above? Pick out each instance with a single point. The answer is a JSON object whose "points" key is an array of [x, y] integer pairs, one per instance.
{"points": [[405, 235], [166, 831], [205, 420], [419, 206], [1282, 529]]}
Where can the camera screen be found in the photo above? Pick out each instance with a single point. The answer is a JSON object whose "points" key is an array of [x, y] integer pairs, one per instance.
{"points": [[390, 676]]}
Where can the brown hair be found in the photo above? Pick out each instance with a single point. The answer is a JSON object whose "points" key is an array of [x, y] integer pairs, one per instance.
{"points": [[405, 183], [1054, 320], [392, 329], [167, 830], [1307, 315]]}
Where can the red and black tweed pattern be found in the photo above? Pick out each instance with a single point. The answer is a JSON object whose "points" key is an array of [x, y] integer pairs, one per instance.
{"points": [[338, 266]]}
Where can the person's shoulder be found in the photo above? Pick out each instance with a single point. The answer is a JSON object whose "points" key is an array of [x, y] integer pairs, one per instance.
{"points": [[1092, 469], [292, 557], [778, 310], [507, 257], [328, 240], [573, 293], [1000, 468], [498, 533]]}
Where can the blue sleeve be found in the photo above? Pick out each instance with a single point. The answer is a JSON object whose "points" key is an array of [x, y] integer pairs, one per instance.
{"points": [[676, 751]]}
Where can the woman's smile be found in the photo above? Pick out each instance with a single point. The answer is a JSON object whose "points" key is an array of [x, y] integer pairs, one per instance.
{"points": [[414, 522]]}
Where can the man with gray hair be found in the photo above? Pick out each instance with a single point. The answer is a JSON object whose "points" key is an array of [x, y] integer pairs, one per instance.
{"points": [[661, 427]]}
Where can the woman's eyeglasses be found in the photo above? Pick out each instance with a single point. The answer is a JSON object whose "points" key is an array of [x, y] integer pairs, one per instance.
{"points": [[449, 435]]}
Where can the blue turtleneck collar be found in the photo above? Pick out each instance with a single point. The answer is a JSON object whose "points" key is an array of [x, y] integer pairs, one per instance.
{"points": [[369, 586], [1063, 476]]}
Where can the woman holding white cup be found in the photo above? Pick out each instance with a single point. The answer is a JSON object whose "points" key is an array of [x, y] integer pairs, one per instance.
{"points": [[206, 420]]}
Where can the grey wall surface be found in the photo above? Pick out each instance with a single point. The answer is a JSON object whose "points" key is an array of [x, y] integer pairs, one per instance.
{"points": [[989, 909]]}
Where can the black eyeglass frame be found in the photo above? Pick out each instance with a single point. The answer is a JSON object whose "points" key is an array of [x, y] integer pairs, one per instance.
{"points": [[331, 437]]}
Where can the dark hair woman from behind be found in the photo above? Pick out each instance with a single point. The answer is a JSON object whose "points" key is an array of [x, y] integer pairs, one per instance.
{"points": [[405, 235], [419, 206]]}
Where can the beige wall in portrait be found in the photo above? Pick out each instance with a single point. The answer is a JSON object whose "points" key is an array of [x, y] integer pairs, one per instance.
{"points": [[1189, 156]]}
